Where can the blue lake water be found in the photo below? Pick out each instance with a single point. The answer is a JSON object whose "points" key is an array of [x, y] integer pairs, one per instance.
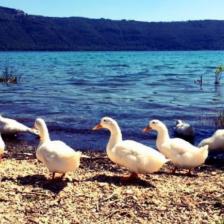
{"points": [[73, 90]]}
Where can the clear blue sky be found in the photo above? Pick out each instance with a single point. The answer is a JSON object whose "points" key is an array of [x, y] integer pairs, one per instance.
{"points": [[143, 10]]}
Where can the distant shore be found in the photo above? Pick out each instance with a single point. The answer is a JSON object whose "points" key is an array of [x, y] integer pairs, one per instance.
{"points": [[76, 33], [96, 194]]}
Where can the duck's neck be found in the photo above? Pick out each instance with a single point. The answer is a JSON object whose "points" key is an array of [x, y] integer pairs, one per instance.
{"points": [[44, 134], [115, 137], [162, 137]]}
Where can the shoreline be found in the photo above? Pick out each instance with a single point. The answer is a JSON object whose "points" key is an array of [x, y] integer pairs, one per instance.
{"points": [[96, 194]]}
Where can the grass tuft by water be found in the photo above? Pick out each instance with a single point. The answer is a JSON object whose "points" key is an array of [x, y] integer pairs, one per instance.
{"points": [[219, 120], [9, 76], [216, 121]]}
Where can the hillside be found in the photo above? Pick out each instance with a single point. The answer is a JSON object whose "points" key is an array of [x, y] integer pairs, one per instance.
{"points": [[20, 31]]}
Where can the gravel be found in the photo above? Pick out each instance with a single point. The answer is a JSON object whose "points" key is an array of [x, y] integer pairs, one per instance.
{"points": [[96, 193]]}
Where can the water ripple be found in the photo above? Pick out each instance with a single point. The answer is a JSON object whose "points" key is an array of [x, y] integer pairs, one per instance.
{"points": [[73, 90]]}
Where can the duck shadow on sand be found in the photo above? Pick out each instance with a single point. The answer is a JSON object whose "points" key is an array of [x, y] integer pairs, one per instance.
{"points": [[55, 186], [118, 181], [178, 174], [216, 160]]}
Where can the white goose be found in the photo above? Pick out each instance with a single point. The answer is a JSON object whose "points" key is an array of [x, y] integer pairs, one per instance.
{"points": [[181, 153], [135, 156], [2, 147], [9, 126], [215, 142], [56, 155]]}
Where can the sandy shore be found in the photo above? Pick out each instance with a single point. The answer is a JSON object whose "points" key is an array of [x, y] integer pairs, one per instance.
{"points": [[96, 193]]}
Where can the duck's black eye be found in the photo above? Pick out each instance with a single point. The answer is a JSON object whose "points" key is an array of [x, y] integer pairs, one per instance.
{"points": [[104, 120]]}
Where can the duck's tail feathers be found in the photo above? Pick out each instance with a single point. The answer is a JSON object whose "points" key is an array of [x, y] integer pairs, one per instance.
{"points": [[165, 160], [79, 154], [204, 151], [85, 156]]}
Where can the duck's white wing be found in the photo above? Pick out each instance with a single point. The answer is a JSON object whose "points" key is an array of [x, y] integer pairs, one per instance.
{"points": [[137, 157], [58, 157], [57, 149], [132, 148], [180, 146]]}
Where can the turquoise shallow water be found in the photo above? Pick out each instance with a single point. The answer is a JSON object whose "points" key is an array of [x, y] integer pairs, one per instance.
{"points": [[73, 90]]}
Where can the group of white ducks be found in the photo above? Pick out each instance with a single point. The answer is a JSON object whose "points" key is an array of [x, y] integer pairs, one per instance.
{"points": [[59, 158]]}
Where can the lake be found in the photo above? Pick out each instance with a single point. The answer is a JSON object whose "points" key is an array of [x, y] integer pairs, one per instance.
{"points": [[73, 90]]}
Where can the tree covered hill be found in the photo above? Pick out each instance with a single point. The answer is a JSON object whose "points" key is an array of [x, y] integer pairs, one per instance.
{"points": [[20, 31]]}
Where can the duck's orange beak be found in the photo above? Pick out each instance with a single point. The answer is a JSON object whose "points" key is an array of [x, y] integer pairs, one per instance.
{"points": [[147, 129], [97, 127], [34, 129]]}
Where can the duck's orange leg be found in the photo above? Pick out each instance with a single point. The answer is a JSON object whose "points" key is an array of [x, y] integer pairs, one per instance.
{"points": [[190, 172], [133, 176], [174, 170], [53, 176]]}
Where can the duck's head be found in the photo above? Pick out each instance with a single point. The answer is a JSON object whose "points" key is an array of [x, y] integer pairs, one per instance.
{"points": [[107, 123], [179, 122], [39, 123], [154, 125]]}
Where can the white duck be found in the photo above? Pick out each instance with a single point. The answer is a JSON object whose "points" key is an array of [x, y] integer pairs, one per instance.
{"points": [[9, 126], [135, 156], [56, 155], [184, 129], [215, 142], [2, 147], [181, 153]]}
